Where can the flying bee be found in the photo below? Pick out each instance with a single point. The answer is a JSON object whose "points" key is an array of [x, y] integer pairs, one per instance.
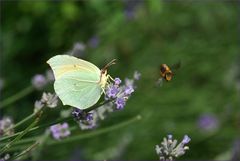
{"points": [[166, 72]]}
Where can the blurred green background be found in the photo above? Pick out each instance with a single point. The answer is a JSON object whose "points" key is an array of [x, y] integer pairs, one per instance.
{"points": [[141, 35]]}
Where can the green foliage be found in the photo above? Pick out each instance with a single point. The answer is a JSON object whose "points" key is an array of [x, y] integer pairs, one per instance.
{"points": [[202, 35]]}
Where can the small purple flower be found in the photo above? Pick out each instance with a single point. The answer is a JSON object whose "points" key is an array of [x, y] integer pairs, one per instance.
{"points": [[93, 42], [60, 130], [89, 117], [86, 120], [39, 81], [208, 122], [78, 49], [81, 115], [186, 139], [120, 103], [128, 90], [117, 81], [112, 91]]}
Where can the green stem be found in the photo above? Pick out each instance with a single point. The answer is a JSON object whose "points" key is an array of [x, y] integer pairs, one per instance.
{"points": [[33, 114], [17, 157], [6, 147], [77, 137], [94, 133], [21, 122], [97, 106], [16, 97], [36, 128]]}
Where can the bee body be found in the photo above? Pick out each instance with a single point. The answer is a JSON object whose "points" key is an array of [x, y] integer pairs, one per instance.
{"points": [[166, 72]]}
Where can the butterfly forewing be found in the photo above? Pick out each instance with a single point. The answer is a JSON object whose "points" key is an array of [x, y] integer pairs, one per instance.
{"points": [[62, 64]]}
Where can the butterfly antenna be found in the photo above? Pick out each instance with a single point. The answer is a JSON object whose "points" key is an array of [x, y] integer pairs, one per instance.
{"points": [[109, 64]]}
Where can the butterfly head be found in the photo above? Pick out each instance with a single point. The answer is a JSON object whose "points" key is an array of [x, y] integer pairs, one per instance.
{"points": [[104, 78]]}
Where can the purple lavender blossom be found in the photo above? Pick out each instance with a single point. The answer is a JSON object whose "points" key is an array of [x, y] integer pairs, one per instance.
{"points": [[120, 103], [81, 115], [112, 91], [77, 114], [78, 49], [39, 81], [121, 93], [89, 117], [208, 122], [60, 131], [128, 90], [117, 81], [186, 139], [86, 120], [93, 41]]}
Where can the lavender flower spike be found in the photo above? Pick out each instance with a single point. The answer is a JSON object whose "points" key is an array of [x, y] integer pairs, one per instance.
{"points": [[60, 131], [169, 150], [39, 81], [50, 100]]}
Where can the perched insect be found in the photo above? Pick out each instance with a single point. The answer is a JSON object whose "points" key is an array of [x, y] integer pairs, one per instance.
{"points": [[166, 72], [78, 83]]}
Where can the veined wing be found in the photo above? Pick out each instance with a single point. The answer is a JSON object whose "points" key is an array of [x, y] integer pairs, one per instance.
{"points": [[77, 93], [64, 64]]}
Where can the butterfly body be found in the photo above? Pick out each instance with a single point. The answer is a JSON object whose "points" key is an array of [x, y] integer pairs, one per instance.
{"points": [[78, 83]]}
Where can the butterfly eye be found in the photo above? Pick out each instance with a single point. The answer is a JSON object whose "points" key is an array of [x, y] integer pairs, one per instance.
{"points": [[104, 71]]}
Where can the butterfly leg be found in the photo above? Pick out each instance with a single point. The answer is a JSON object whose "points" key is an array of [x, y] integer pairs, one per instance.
{"points": [[110, 77], [103, 89]]}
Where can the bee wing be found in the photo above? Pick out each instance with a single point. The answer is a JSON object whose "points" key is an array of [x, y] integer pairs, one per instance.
{"points": [[176, 66], [159, 82]]}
